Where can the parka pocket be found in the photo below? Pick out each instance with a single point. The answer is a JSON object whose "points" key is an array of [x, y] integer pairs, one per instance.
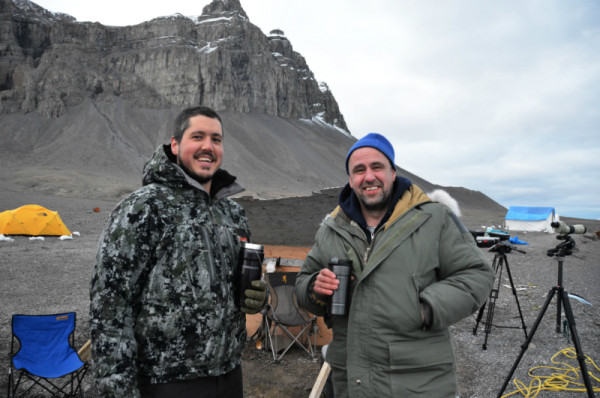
{"points": [[422, 366], [416, 354], [421, 280]]}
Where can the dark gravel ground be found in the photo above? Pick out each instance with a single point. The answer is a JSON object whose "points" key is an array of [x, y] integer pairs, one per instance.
{"points": [[52, 276]]}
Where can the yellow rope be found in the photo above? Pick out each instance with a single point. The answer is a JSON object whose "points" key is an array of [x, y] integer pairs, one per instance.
{"points": [[563, 377]]}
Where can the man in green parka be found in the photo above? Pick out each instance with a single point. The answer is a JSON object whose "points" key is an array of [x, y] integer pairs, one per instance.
{"points": [[416, 270]]}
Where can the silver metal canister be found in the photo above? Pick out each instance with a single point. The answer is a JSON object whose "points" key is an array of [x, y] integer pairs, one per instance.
{"points": [[250, 268]]}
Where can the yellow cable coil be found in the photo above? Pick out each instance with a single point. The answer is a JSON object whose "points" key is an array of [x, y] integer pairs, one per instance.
{"points": [[563, 377]]}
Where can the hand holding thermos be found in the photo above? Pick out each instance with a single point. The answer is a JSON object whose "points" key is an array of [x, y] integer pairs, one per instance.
{"points": [[334, 281], [255, 297], [252, 290]]}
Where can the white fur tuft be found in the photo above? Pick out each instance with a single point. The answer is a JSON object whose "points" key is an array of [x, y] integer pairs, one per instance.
{"points": [[325, 218], [444, 198]]}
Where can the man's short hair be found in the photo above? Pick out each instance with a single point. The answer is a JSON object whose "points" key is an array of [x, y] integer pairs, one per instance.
{"points": [[182, 122]]}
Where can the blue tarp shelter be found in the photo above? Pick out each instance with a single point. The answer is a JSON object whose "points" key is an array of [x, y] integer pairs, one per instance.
{"points": [[527, 218]]}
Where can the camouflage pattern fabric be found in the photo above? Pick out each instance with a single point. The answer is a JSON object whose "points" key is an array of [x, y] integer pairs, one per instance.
{"points": [[162, 293]]}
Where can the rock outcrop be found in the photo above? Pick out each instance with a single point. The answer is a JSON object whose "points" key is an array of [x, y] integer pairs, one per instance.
{"points": [[49, 62]]}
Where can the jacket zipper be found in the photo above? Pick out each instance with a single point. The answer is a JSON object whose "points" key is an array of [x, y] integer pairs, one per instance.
{"points": [[212, 269], [224, 283], [233, 254], [369, 248]]}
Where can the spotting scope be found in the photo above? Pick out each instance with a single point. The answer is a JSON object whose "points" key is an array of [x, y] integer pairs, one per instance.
{"points": [[562, 228]]}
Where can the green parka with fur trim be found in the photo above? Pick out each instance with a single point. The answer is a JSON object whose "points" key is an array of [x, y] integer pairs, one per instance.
{"points": [[422, 254]]}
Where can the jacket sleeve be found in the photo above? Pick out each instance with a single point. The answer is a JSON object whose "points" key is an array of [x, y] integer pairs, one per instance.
{"points": [[124, 250], [465, 276], [314, 262]]}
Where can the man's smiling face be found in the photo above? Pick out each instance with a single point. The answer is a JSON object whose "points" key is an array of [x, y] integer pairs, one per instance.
{"points": [[371, 177], [200, 151]]}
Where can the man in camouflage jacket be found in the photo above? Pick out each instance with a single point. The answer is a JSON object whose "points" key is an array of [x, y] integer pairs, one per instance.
{"points": [[163, 312]]}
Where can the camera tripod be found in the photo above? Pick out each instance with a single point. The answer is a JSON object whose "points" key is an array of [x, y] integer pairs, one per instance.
{"points": [[560, 252], [499, 261]]}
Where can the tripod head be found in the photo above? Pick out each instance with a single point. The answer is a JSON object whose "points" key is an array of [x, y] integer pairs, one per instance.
{"points": [[563, 249], [503, 248]]}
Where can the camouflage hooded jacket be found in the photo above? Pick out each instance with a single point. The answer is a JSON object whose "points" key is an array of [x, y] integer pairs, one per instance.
{"points": [[162, 293]]}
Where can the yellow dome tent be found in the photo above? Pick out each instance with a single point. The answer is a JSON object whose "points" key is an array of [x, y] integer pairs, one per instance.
{"points": [[32, 220]]}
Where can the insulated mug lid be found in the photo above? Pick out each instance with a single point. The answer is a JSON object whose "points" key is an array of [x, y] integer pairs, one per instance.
{"points": [[252, 246]]}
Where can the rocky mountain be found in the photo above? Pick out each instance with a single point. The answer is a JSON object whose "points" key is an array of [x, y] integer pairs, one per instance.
{"points": [[83, 105], [51, 62]]}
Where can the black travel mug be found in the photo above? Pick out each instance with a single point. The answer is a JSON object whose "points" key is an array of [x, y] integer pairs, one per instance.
{"points": [[342, 270], [250, 268]]}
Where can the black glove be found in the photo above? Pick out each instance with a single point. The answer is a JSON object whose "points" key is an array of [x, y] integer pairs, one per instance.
{"points": [[255, 297]]}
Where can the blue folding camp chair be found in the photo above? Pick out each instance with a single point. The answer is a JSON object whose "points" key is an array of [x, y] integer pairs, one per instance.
{"points": [[44, 358]]}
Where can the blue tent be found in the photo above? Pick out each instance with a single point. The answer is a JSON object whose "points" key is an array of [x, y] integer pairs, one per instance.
{"points": [[527, 218]]}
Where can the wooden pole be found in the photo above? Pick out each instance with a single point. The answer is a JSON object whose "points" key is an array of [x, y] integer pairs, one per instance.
{"points": [[320, 382], [85, 352]]}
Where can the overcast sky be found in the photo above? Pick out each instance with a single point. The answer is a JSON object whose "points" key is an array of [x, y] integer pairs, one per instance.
{"points": [[498, 97]]}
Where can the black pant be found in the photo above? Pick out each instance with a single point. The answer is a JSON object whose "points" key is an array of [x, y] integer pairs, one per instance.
{"points": [[228, 385]]}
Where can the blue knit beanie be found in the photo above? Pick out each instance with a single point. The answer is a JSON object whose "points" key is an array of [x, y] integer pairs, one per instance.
{"points": [[376, 141]]}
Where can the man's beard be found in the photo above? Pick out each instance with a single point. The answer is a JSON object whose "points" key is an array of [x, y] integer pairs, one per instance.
{"points": [[382, 204], [202, 180]]}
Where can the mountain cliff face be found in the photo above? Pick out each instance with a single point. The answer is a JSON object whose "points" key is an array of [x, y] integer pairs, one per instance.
{"points": [[83, 105], [50, 62]]}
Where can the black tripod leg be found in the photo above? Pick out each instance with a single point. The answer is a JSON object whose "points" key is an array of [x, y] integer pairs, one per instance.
{"points": [[482, 309], [492, 300], [514, 292], [560, 286], [479, 316], [558, 314], [577, 343], [526, 344], [490, 315]]}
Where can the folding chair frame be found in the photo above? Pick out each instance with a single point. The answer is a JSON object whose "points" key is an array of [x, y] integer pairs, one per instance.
{"points": [[57, 386], [271, 322]]}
